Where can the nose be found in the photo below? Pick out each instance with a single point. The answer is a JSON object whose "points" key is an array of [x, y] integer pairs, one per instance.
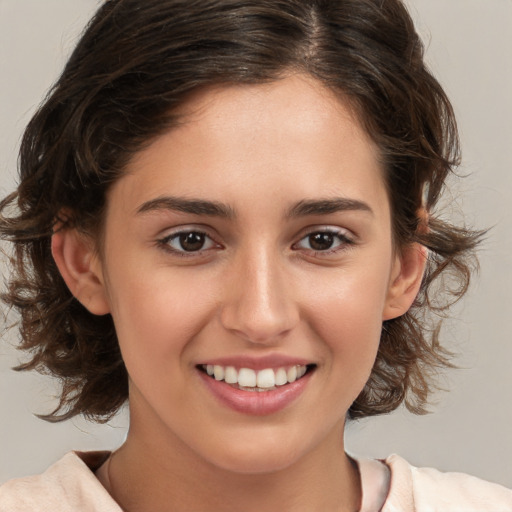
{"points": [[259, 305]]}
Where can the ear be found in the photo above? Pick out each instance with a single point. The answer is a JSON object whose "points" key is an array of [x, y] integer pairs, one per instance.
{"points": [[406, 278], [81, 269]]}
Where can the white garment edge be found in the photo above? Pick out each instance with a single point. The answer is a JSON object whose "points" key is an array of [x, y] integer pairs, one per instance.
{"points": [[375, 479]]}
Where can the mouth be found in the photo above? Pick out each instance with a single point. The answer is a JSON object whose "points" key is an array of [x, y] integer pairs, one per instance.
{"points": [[251, 380]]}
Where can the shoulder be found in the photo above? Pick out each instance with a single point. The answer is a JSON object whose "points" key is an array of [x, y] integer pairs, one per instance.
{"points": [[429, 490], [69, 484]]}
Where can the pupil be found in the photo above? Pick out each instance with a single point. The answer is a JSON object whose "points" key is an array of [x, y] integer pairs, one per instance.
{"points": [[192, 241], [321, 241]]}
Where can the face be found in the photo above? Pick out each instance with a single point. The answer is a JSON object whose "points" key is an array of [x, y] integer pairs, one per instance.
{"points": [[247, 246]]}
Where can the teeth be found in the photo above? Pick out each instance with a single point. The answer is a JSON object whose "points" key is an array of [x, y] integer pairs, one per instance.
{"points": [[252, 380], [247, 378], [291, 374], [218, 372], [266, 378], [281, 377], [231, 375]]}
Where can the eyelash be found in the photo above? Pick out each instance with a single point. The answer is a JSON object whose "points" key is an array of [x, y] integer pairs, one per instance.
{"points": [[344, 242], [341, 235], [165, 243]]}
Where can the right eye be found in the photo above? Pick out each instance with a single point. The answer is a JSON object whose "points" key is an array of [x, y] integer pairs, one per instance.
{"points": [[325, 241], [188, 242]]}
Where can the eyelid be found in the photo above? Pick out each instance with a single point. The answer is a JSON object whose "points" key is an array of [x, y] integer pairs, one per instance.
{"points": [[321, 228], [346, 237], [163, 240]]}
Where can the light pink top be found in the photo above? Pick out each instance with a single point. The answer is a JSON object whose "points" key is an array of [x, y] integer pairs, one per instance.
{"points": [[70, 485]]}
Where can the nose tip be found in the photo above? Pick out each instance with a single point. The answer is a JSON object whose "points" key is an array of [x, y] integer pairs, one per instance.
{"points": [[259, 307], [254, 328], [257, 325]]}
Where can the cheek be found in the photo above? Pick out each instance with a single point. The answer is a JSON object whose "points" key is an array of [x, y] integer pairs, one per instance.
{"points": [[157, 310], [157, 321], [349, 322], [346, 312]]}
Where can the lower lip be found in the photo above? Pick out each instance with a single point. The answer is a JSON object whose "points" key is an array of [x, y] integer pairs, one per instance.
{"points": [[257, 403]]}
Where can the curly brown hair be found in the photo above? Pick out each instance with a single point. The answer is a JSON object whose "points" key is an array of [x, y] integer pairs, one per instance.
{"points": [[134, 65]]}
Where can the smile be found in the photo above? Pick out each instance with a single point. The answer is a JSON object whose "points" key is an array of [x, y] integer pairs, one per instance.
{"points": [[256, 391], [247, 379]]}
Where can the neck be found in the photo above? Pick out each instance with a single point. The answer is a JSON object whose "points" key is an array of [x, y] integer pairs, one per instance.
{"points": [[150, 473]]}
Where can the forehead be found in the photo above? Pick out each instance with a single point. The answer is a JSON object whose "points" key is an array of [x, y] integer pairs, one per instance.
{"points": [[300, 99], [290, 138]]}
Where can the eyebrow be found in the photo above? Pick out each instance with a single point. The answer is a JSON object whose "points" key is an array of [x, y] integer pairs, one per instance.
{"points": [[216, 209], [192, 206], [327, 206]]}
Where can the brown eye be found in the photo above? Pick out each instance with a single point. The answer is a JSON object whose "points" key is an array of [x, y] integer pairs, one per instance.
{"points": [[191, 241], [321, 241], [188, 241], [326, 241]]}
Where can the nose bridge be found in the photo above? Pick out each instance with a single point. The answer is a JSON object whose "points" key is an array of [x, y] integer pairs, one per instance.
{"points": [[259, 306]]}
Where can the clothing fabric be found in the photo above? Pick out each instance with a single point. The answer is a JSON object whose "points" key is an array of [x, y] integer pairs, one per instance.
{"points": [[70, 485], [429, 490], [375, 478]]}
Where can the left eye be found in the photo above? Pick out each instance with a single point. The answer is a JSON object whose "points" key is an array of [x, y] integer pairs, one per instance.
{"points": [[189, 241], [322, 241]]}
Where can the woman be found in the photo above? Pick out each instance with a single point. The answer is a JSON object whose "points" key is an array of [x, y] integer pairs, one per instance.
{"points": [[225, 216]]}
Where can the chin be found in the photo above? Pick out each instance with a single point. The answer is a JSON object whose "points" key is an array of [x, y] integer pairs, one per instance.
{"points": [[255, 457]]}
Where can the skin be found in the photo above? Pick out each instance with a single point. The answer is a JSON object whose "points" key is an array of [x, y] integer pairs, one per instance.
{"points": [[256, 288]]}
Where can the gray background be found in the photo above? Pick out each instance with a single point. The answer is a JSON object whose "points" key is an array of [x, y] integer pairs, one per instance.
{"points": [[469, 48]]}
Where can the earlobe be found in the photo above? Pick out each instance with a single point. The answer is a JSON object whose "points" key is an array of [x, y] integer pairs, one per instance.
{"points": [[405, 281], [80, 268]]}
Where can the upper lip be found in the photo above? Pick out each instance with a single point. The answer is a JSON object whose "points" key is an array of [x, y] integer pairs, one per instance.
{"points": [[257, 363]]}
